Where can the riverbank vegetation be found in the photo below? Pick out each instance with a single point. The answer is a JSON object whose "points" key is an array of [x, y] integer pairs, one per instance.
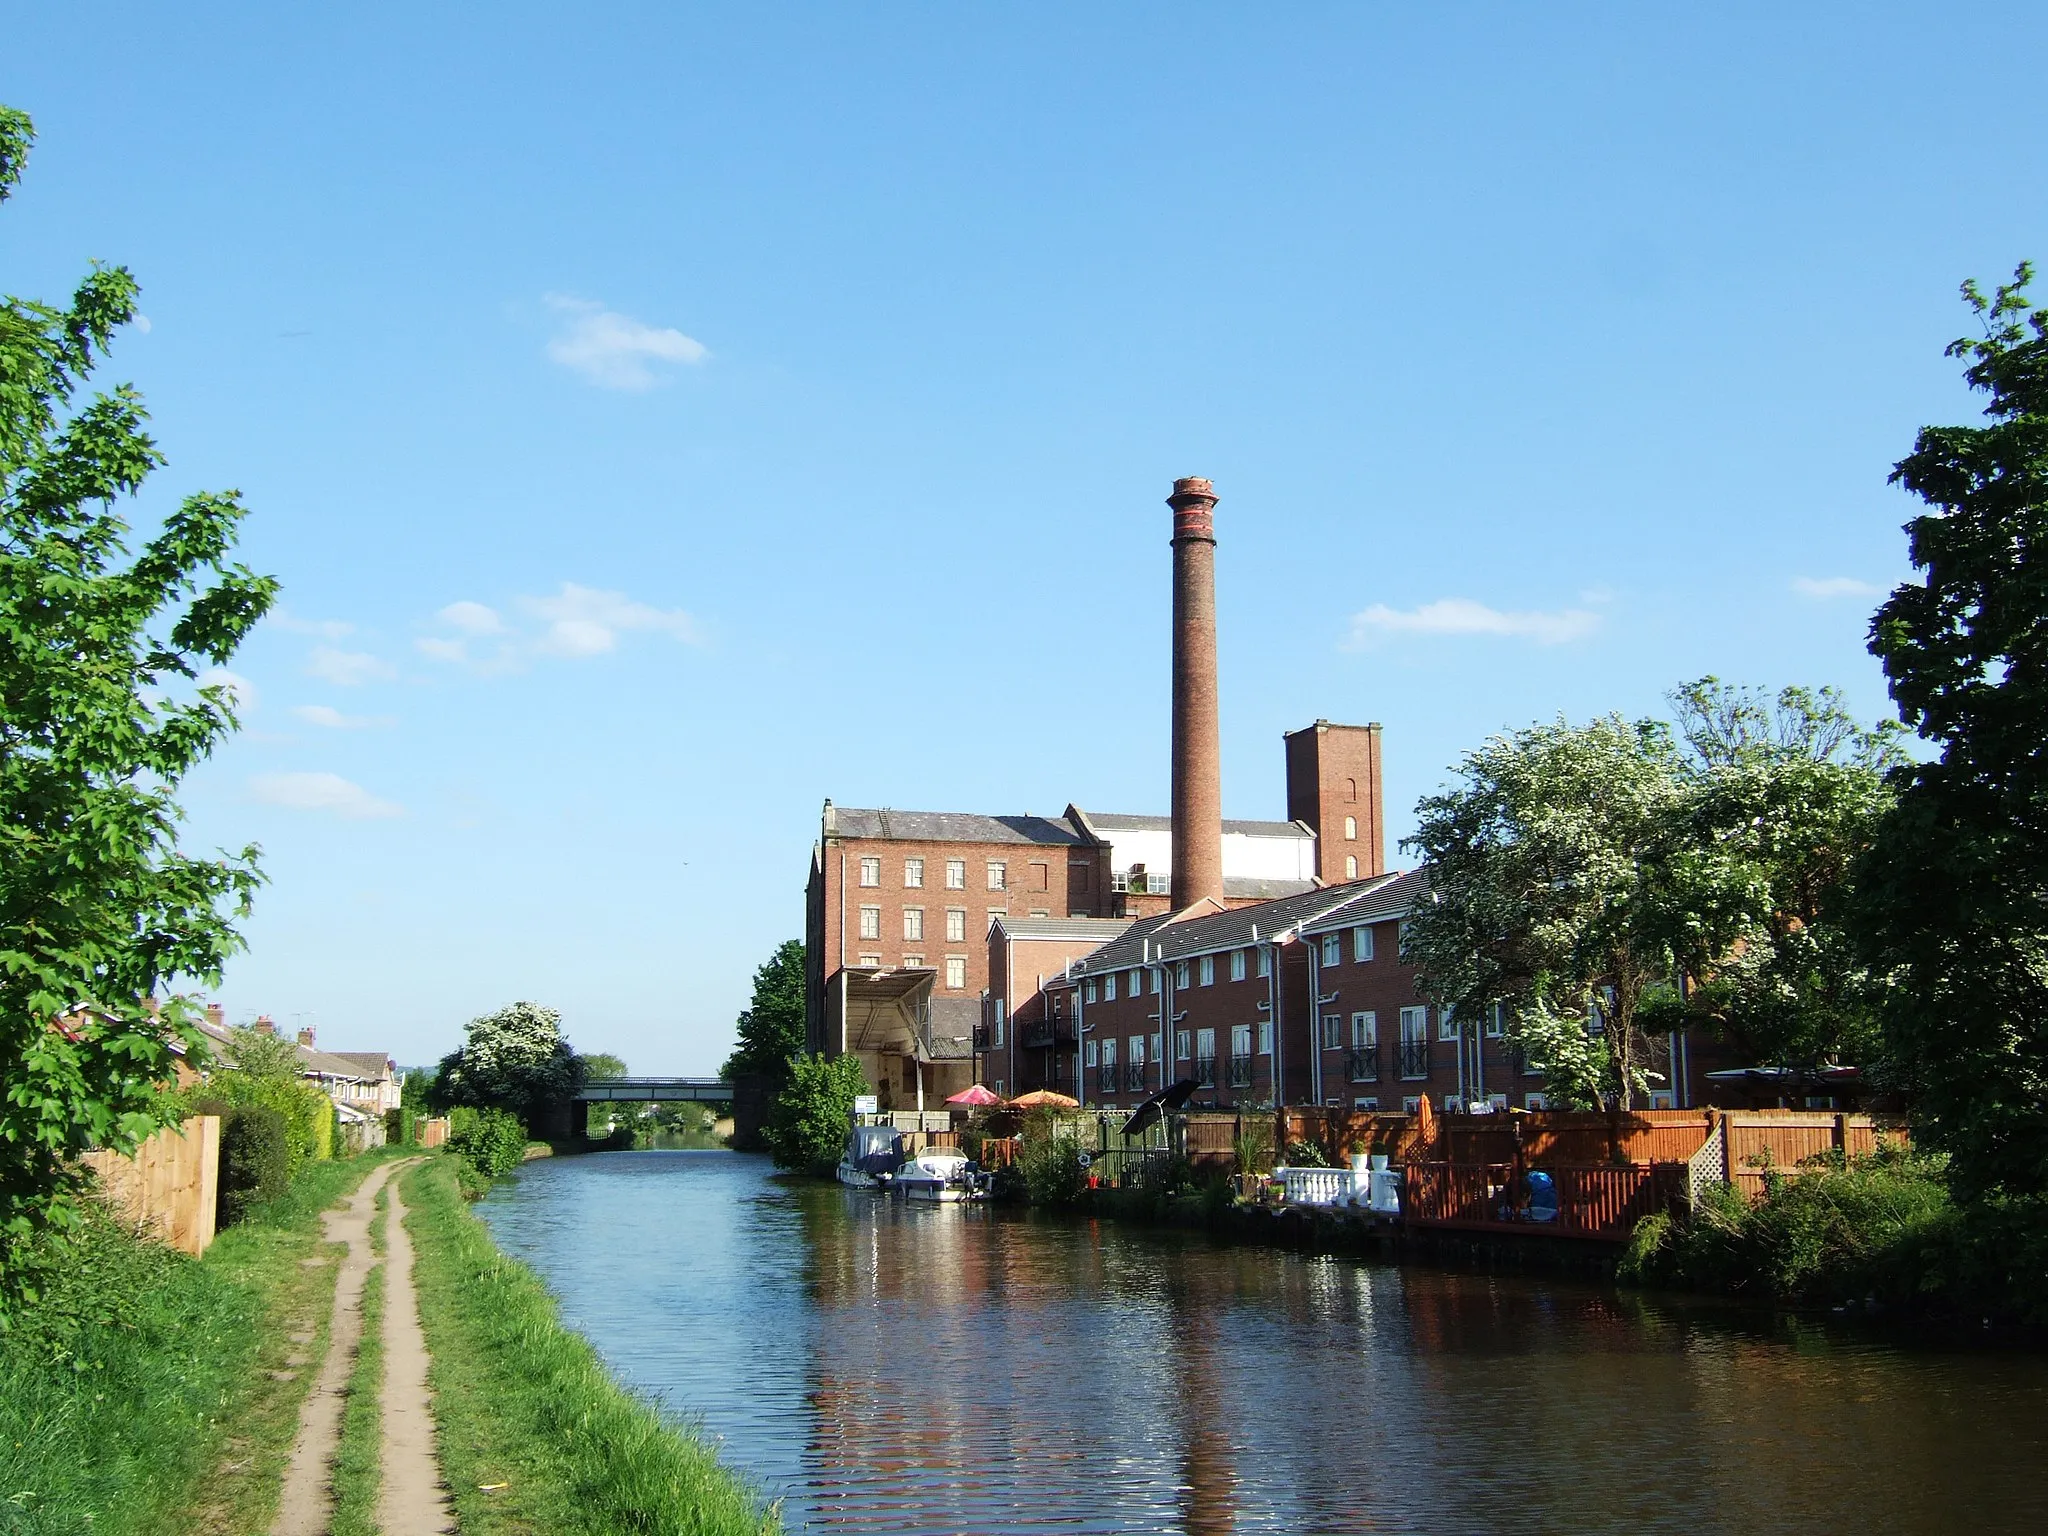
{"points": [[534, 1434], [150, 1392], [806, 1130]]}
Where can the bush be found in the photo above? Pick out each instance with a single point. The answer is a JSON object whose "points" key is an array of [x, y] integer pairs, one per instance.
{"points": [[1306, 1154], [807, 1128], [398, 1126], [308, 1113], [492, 1141], [1052, 1170], [255, 1160]]}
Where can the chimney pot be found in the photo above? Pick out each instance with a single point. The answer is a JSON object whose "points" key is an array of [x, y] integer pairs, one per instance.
{"points": [[306, 1037], [265, 1024]]}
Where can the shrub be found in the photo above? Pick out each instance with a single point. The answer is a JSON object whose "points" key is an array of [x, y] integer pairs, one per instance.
{"points": [[1052, 1170], [492, 1141], [1306, 1154], [398, 1125], [1253, 1146], [308, 1113], [255, 1160], [807, 1128]]}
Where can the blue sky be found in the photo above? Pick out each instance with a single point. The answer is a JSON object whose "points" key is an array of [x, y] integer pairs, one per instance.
{"points": [[663, 420]]}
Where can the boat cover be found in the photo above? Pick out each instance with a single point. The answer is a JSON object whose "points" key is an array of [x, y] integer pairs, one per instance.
{"points": [[875, 1148]]}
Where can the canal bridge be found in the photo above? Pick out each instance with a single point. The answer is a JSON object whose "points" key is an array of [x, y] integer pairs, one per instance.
{"points": [[655, 1090]]}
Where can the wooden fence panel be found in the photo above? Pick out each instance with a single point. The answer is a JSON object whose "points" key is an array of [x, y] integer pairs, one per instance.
{"points": [[170, 1186]]}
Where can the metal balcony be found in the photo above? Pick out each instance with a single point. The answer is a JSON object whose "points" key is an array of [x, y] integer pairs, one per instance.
{"points": [[1134, 1077], [1240, 1071], [1414, 1055], [1205, 1072], [1362, 1063]]}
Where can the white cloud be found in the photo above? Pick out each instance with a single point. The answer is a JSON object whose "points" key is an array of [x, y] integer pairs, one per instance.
{"points": [[1463, 616], [242, 690], [322, 792], [345, 669], [613, 350], [471, 618], [334, 720], [326, 629], [1821, 588], [583, 621], [442, 649]]}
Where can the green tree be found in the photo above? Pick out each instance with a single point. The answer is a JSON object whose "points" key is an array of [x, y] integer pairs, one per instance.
{"points": [[1782, 797], [1545, 897], [515, 1060], [1954, 895], [771, 1027], [104, 708], [807, 1128]]}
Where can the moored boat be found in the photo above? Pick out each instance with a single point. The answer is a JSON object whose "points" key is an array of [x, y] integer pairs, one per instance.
{"points": [[873, 1153], [939, 1174]]}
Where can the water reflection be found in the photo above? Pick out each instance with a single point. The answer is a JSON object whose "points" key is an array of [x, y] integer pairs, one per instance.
{"points": [[914, 1369]]}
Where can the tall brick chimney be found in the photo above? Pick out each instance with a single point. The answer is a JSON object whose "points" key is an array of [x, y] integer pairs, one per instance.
{"points": [[1197, 767]]}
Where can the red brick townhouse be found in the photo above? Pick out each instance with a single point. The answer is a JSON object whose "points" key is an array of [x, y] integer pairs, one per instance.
{"points": [[1308, 993], [1027, 1036]]}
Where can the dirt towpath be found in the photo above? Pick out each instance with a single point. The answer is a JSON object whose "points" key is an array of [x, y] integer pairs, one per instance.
{"points": [[412, 1501]]}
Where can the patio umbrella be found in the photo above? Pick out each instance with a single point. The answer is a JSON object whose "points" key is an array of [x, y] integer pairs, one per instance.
{"points": [[1044, 1098], [976, 1097], [1148, 1114], [1425, 1124]]}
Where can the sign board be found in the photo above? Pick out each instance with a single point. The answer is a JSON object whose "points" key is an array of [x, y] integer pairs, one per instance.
{"points": [[867, 1104]]}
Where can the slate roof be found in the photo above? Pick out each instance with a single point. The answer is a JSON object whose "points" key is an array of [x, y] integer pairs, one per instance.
{"points": [[1390, 898], [1260, 888], [953, 827], [1335, 906], [953, 1021], [371, 1064], [1111, 821]]}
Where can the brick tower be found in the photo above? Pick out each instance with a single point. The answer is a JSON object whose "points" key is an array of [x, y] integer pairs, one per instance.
{"points": [[1197, 767], [1333, 784]]}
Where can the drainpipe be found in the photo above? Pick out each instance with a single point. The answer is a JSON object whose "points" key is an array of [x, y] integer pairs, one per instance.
{"points": [[1080, 1049], [1315, 1022]]}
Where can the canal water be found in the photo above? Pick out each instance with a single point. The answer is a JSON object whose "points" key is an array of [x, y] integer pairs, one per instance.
{"points": [[878, 1367]]}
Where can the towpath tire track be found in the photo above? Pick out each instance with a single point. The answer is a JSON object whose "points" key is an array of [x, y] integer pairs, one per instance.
{"points": [[413, 1501], [305, 1506]]}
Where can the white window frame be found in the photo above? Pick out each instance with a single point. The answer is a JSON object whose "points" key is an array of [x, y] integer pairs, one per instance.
{"points": [[1447, 1027], [1207, 971], [1137, 983], [1333, 949], [1361, 943], [1089, 1054], [1350, 866], [1265, 961], [870, 873], [1415, 1024], [1411, 1103], [1137, 1050], [1109, 987], [1205, 1045], [1180, 975], [1370, 1103], [1088, 990], [1240, 1040], [1237, 965], [913, 925], [1183, 1044], [913, 962], [956, 874], [913, 874], [998, 875], [1350, 829], [1535, 1101], [956, 925], [959, 961], [1497, 1021], [1365, 1030], [1265, 1037], [871, 962], [871, 922]]}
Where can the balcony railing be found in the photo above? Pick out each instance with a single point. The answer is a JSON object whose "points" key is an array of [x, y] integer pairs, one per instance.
{"points": [[1362, 1062], [1039, 1034], [1240, 1071], [1107, 1079], [1205, 1072], [1414, 1058], [981, 1037], [1134, 1077]]}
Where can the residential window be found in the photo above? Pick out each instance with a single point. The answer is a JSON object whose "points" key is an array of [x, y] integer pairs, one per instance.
{"points": [[956, 874], [1365, 1103], [1180, 975], [1535, 1101], [1154, 988], [1265, 961], [1350, 829], [1137, 983], [1237, 965], [1182, 1042], [1498, 1102], [870, 871], [1365, 1031], [1333, 1031], [1361, 943], [1088, 991], [1158, 1046], [1205, 1045], [1137, 1045], [913, 872], [1109, 1051], [1265, 1037], [1411, 1103], [998, 1036], [871, 922], [1333, 949], [1109, 987], [999, 1087], [913, 924], [1208, 970], [1350, 866], [956, 925], [871, 962], [998, 875], [1088, 1054], [913, 962], [1447, 1024], [956, 978], [1497, 1021]]}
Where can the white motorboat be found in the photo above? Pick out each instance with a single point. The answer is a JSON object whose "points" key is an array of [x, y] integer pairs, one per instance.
{"points": [[873, 1153], [939, 1174]]}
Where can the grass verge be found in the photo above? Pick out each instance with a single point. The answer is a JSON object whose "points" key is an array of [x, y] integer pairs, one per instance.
{"points": [[149, 1392], [358, 1465], [535, 1435]]}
